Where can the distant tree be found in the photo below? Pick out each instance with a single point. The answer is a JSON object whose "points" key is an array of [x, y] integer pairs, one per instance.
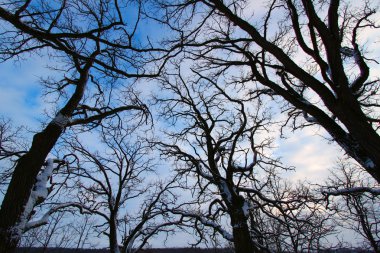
{"points": [[12, 147], [62, 231], [295, 219], [93, 46], [111, 181], [83, 231], [43, 236], [309, 53], [356, 199]]}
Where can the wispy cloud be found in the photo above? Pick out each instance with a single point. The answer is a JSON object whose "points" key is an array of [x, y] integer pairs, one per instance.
{"points": [[311, 154], [20, 96]]}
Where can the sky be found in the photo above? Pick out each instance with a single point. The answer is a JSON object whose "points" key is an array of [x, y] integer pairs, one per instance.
{"points": [[22, 101], [20, 97]]}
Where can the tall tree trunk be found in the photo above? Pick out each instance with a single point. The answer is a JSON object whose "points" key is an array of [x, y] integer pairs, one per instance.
{"points": [[21, 185], [12, 212], [368, 141], [114, 246]]}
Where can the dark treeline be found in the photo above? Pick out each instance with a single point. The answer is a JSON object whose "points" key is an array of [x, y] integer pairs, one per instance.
{"points": [[166, 250], [161, 250]]}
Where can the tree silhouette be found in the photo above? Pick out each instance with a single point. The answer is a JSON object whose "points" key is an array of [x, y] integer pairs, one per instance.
{"points": [[220, 143], [94, 48], [307, 53]]}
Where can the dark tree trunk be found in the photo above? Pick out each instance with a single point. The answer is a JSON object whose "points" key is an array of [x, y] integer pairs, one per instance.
{"points": [[29, 165], [114, 247], [242, 241], [368, 152], [242, 238], [21, 185]]}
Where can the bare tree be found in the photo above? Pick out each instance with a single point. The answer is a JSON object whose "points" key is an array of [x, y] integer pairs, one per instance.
{"points": [[355, 197], [153, 219], [62, 231], [11, 148], [111, 183], [43, 236], [295, 220], [220, 144], [305, 52], [93, 46], [84, 230]]}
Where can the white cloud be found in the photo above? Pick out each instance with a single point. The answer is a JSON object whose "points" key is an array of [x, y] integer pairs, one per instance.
{"points": [[20, 97], [311, 155]]}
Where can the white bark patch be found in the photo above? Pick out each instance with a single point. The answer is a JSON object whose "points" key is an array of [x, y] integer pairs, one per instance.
{"points": [[117, 250], [246, 209], [223, 232], [217, 157], [39, 191], [45, 218], [238, 225], [369, 164], [353, 190], [203, 174], [309, 118], [328, 72], [116, 246], [226, 191], [350, 52], [61, 120]]}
